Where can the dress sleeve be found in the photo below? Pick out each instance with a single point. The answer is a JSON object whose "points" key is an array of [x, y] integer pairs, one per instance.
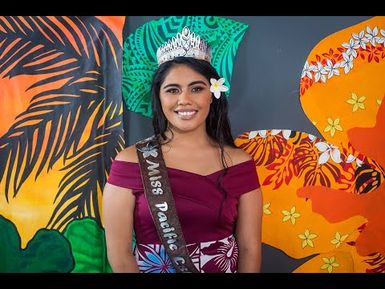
{"points": [[242, 178], [126, 175]]}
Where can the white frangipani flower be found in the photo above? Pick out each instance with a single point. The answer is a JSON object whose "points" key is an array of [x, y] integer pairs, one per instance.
{"points": [[285, 132], [382, 39], [217, 86], [320, 73], [328, 151], [307, 69], [332, 69], [347, 63], [323, 72], [351, 47], [254, 133], [263, 133], [372, 35], [361, 39]]}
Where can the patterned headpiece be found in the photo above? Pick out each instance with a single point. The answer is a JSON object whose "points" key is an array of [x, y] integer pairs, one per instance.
{"points": [[185, 43], [214, 39]]}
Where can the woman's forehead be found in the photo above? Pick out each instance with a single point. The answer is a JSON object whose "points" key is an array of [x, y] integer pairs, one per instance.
{"points": [[183, 74]]}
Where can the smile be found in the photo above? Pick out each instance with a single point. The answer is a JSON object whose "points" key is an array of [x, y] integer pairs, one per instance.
{"points": [[186, 114]]}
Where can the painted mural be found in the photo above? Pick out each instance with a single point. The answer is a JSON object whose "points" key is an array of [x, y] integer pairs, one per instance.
{"points": [[61, 126]]}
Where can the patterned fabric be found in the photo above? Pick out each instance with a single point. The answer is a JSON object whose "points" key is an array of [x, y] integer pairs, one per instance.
{"points": [[220, 256], [139, 52]]}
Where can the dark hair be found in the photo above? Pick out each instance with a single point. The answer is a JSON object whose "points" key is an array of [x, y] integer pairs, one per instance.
{"points": [[217, 122]]}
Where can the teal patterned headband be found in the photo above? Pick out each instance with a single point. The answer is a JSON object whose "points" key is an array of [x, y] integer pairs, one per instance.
{"points": [[139, 52]]}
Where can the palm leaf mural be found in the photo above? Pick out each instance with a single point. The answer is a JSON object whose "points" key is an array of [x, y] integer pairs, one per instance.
{"points": [[74, 113]]}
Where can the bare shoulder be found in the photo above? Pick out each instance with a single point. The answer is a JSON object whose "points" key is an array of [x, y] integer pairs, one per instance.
{"points": [[237, 155], [128, 155]]}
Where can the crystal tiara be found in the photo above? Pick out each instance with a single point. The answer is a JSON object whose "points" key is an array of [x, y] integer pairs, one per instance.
{"points": [[185, 43]]}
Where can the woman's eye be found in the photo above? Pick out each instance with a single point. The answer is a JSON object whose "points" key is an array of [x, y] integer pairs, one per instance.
{"points": [[197, 89], [172, 90]]}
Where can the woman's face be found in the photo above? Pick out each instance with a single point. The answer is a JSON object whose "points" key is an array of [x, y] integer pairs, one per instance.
{"points": [[185, 98]]}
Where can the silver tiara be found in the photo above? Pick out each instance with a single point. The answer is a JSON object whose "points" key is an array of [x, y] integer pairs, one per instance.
{"points": [[185, 43]]}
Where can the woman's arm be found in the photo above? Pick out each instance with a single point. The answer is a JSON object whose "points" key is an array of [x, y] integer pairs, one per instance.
{"points": [[118, 212], [248, 231]]}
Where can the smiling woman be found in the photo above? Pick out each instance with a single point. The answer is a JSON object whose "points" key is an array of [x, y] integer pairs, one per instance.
{"points": [[191, 196]]}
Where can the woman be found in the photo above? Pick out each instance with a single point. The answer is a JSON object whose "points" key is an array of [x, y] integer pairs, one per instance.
{"points": [[214, 184]]}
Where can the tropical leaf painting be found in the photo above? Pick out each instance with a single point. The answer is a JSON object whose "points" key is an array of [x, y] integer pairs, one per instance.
{"points": [[291, 166], [139, 54], [324, 197], [88, 245], [61, 117]]}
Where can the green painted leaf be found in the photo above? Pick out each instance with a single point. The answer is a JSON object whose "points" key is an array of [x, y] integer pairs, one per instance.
{"points": [[88, 244], [139, 52], [47, 251]]}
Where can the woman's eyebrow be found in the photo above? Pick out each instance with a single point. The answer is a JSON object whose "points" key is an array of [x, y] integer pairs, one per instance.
{"points": [[190, 84], [197, 82], [171, 84]]}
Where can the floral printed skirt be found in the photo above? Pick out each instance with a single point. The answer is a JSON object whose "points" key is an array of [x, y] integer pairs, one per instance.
{"points": [[219, 256]]}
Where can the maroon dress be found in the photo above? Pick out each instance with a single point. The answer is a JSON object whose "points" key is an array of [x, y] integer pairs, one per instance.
{"points": [[209, 237]]}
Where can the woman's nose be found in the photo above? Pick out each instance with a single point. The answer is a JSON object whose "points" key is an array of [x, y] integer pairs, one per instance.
{"points": [[184, 98]]}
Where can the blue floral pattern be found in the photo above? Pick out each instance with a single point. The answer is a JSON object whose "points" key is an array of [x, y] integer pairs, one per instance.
{"points": [[152, 258], [218, 256]]}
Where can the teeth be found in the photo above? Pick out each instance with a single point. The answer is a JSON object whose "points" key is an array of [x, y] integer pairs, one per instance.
{"points": [[186, 113]]}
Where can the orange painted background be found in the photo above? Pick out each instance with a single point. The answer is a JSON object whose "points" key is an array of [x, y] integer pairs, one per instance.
{"points": [[61, 125], [324, 197]]}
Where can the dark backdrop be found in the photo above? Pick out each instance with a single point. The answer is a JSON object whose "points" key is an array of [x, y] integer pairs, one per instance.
{"points": [[264, 86]]}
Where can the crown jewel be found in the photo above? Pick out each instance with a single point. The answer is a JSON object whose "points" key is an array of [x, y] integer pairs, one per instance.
{"points": [[185, 43]]}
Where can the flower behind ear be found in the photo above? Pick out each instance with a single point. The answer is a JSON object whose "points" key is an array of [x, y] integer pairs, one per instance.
{"points": [[217, 87]]}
